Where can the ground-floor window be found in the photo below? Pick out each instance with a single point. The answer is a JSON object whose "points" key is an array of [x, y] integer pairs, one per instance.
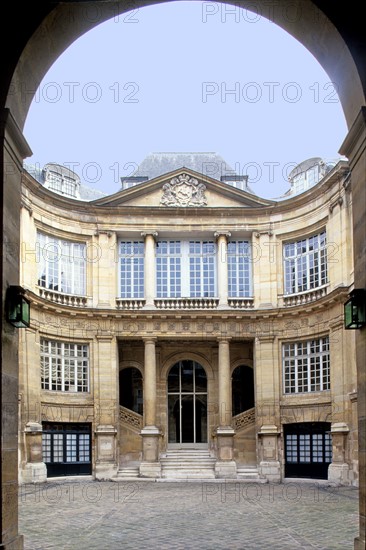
{"points": [[308, 449], [66, 449]]}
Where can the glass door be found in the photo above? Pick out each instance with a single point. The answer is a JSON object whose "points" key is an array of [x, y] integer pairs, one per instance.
{"points": [[187, 405]]}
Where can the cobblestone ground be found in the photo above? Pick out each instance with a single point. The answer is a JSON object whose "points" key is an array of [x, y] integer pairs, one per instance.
{"points": [[85, 515]]}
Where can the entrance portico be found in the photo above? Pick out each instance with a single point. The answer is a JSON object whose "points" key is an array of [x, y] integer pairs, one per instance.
{"points": [[187, 402]]}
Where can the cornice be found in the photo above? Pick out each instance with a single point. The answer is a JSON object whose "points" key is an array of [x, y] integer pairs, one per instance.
{"points": [[14, 136], [354, 143], [89, 314], [95, 209]]}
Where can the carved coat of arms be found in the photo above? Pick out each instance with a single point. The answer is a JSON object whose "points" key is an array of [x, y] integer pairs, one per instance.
{"points": [[184, 191]]}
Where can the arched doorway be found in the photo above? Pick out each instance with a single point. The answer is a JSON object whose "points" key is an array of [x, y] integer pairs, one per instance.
{"points": [[242, 389], [131, 389], [187, 405]]}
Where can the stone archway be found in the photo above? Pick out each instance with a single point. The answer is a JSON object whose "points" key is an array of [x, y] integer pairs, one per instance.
{"points": [[29, 52]]}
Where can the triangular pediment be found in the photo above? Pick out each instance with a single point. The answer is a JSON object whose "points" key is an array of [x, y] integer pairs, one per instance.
{"points": [[183, 188]]}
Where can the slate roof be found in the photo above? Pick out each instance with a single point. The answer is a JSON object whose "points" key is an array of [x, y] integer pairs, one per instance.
{"points": [[208, 163], [86, 193]]}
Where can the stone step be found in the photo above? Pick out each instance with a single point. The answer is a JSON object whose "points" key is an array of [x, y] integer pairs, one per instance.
{"points": [[186, 457], [247, 473], [187, 464], [128, 472]]}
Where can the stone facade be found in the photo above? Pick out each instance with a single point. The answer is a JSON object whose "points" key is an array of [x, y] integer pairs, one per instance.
{"points": [[219, 333]]}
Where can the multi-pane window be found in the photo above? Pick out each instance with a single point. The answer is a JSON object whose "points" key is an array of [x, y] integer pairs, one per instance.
{"points": [[61, 184], [62, 264], [69, 187], [239, 269], [202, 259], [131, 254], [185, 269], [65, 443], [64, 366], [305, 264], [168, 269], [308, 448], [55, 181], [306, 366]]}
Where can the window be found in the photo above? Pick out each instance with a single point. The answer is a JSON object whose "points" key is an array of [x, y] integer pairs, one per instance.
{"points": [[66, 449], [69, 187], [185, 269], [202, 259], [305, 264], [239, 269], [55, 182], [308, 449], [131, 269], [168, 269], [62, 265], [61, 184], [64, 366], [306, 366]]}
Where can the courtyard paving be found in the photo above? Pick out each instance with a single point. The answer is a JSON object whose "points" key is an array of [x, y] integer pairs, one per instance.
{"points": [[83, 515]]}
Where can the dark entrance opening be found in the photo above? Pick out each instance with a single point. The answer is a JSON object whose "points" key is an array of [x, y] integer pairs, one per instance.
{"points": [[242, 389], [130, 389], [308, 450], [66, 449]]}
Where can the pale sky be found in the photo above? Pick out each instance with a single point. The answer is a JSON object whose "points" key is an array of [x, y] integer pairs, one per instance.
{"points": [[185, 77]]}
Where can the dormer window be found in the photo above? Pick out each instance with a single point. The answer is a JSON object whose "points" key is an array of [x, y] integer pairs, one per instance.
{"points": [[61, 180], [55, 182]]}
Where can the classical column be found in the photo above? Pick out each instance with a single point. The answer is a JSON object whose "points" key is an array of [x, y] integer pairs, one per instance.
{"points": [[222, 267], [224, 383], [264, 265], [225, 465], [268, 417], [103, 286], [150, 270], [105, 405], [150, 466], [150, 382]]}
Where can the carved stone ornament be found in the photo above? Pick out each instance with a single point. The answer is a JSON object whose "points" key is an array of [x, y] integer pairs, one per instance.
{"points": [[184, 191]]}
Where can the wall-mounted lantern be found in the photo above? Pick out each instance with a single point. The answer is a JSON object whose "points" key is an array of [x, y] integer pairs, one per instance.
{"points": [[355, 309], [17, 307]]}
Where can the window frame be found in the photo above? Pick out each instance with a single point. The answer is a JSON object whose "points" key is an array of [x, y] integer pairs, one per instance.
{"points": [[196, 257], [242, 272], [56, 363], [304, 373], [136, 271], [311, 263], [51, 272]]}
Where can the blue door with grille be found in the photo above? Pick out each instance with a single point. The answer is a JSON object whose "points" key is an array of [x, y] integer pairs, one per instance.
{"points": [[308, 450], [66, 449]]}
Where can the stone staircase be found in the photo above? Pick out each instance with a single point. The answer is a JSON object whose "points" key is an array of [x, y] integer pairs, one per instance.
{"points": [[128, 472], [249, 473], [187, 464]]}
